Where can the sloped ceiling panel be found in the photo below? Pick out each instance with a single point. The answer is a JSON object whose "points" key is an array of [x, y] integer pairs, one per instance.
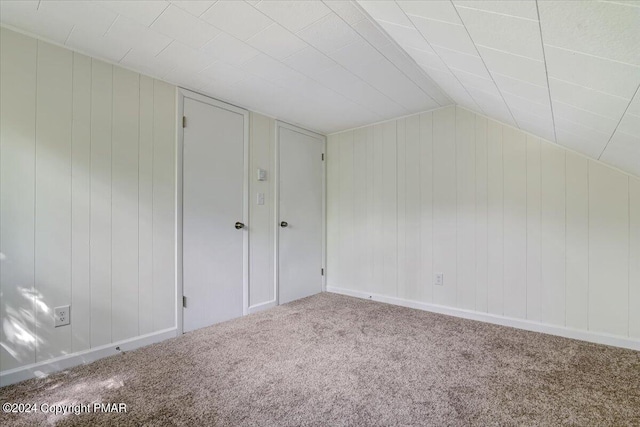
{"points": [[322, 65], [567, 71]]}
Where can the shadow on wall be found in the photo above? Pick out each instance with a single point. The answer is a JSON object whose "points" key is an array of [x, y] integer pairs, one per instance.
{"points": [[18, 323]]}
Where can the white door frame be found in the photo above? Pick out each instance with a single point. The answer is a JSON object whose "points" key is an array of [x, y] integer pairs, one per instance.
{"points": [[182, 94], [276, 252]]}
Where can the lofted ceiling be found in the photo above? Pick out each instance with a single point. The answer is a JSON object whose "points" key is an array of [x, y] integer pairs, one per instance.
{"points": [[567, 71], [322, 65]]}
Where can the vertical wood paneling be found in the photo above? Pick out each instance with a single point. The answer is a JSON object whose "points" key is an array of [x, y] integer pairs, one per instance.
{"points": [[369, 219], [18, 55], [260, 216], [124, 204], [101, 121], [481, 222], [145, 207], [634, 258], [495, 212], [608, 250], [347, 271], [401, 208], [577, 241], [81, 204], [53, 197], [444, 204], [334, 262], [426, 208], [515, 223], [379, 285], [534, 251], [360, 209], [412, 203], [552, 167], [164, 117], [466, 212], [389, 205]]}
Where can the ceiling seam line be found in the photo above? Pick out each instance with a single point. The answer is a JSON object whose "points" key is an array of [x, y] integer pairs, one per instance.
{"points": [[546, 72], [438, 55], [485, 65], [497, 13], [594, 56], [390, 61], [620, 121]]}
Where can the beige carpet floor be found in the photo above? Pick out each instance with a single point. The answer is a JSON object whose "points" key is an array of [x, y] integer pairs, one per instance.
{"points": [[331, 360]]}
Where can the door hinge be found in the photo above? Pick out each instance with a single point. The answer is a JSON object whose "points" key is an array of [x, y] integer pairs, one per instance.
{"points": [[184, 302], [184, 121], [323, 157], [322, 271]]}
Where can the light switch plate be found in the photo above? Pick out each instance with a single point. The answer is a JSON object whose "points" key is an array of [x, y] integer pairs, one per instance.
{"points": [[439, 279], [260, 199], [262, 175]]}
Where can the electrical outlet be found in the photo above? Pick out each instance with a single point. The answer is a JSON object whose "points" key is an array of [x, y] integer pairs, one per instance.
{"points": [[440, 279], [61, 315]]}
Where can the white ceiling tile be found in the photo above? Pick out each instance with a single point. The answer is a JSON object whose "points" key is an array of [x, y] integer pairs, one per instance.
{"points": [[133, 34], [406, 37], [370, 32], [450, 36], [194, 7], [337, 78], [356, 55], [623, 152], [329, 34], [375, 101], [237, 18], [87, 14], [276, 41], [309, 61], [604, 29], [538, 128], [595, 73], [225, 73], [634, 106], [90, 43], [147, 64], [462, 61], [492, 106], [142, 11], [434, 9], [518, 67], [293, 15], [588, 99], [387, 11], [477, 82], [184, 27], [186, 78], [580, 139], [584, 118], [522, 8], [347, 11], [630, 124], [429, 60], [230, 50], [539, 94], [178, 54], [267, 68], [534, 108], [23, 15], [510, 34]]}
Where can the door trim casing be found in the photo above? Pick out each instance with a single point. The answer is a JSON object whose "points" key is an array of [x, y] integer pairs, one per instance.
{"points": [[276, 236], [182, 94]]}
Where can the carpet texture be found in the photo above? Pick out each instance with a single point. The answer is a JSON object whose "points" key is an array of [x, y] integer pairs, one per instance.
{"points": [[332, 360]]}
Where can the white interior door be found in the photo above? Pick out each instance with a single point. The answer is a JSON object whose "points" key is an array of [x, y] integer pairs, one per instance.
{"points": [[213, 195], [300, 236]]}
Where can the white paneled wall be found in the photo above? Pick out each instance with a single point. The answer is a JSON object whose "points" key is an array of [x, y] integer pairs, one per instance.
{"points": [[87, 202], [520, 227]]}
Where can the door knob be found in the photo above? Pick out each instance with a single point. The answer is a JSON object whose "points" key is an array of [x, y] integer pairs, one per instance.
{"points": [[239, 225], [284, 224]]}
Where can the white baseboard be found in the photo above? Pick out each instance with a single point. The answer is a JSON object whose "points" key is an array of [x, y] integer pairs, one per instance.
{"points": [[262, 306], [42, 369], [594, 337]]}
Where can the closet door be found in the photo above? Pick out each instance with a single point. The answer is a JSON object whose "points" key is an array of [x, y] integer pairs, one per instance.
{"points": [[214, 234], [300, 194]]}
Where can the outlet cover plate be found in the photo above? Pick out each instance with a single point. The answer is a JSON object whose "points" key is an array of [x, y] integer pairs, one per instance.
{"points": [[439, 279], [61, 315]]}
